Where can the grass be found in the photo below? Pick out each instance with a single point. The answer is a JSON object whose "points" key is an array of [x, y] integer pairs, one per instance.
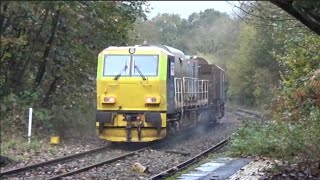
{"points": [[281, 140], [19, 149], [285, 141]]}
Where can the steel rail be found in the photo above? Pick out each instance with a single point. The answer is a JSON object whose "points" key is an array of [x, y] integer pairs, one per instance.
{"points": [[99, 164], [190, 161], [243, 111], [161, 143], [32, 166], [21, 169], [250, 113]]}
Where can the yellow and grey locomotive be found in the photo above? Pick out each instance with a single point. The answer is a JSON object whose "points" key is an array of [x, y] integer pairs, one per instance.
{"points": [[144, 91]]}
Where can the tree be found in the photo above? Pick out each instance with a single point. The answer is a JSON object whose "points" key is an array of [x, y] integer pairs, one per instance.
{"points": [[49, 50]]}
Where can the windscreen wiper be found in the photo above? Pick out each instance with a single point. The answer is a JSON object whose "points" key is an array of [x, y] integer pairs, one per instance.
{"points": [[117, 76], [136, 67]]}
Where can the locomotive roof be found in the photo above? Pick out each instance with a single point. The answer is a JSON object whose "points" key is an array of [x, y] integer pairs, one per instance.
{"points": [[164, 48], [142, 48]]}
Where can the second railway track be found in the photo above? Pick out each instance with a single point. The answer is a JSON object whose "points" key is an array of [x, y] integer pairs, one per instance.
{"points": [[244, 113], [60, 166]]}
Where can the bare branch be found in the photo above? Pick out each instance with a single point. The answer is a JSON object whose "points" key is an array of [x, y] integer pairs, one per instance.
{"points": [[303, 17], [261, 10]]}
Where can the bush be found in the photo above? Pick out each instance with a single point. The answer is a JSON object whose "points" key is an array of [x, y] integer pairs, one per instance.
{"points": [[279, 139], [78, 121], [14, 113]]}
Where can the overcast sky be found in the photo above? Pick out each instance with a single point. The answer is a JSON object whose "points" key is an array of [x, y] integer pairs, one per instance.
{"points": [[185, 8]]}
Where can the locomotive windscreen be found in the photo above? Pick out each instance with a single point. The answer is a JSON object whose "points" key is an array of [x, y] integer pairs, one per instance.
{"points": [[131, 65], [115, 64], [148, 65]]}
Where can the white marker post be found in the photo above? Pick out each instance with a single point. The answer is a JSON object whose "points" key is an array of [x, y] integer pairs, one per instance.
{"points": [[30, 124]]}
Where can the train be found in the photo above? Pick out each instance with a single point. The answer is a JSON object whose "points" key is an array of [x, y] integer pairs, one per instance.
{"points": [[147, 92]]}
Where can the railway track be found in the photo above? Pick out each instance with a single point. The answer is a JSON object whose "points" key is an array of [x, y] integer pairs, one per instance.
{"points": [[243, 113], [166, 153], [50, 162], [130, 156], [34, 169], [139, 154], [50, 166], [125, 157], [108, 161]]}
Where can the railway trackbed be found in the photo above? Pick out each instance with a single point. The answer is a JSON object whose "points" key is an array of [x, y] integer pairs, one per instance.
{"points": [[77, 163], [190, 161], [142, 153], [55, 168], [161, 158], [244, 113], [108, 161], [150, 158], [50, 162]]}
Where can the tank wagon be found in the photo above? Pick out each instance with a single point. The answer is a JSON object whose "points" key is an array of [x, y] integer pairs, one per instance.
{"points": [[145, 92]]}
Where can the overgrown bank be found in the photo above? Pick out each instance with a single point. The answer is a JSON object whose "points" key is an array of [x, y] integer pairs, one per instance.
{"points": [[293, 102]]}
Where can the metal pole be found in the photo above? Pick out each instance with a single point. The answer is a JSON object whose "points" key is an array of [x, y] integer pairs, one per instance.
{"points": [[30, 124]]}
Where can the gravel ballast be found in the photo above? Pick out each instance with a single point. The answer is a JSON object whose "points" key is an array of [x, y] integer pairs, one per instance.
{"points": [[158, 160]]}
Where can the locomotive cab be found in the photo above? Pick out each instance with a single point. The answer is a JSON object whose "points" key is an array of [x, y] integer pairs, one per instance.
{"points": [[131, 94]]}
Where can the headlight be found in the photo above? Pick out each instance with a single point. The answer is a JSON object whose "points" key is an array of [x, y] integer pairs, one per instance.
{"points": [[151, 100], [109, 100]]}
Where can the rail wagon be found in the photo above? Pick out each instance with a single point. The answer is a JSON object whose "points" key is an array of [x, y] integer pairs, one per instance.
{"points": [[145, 92]]}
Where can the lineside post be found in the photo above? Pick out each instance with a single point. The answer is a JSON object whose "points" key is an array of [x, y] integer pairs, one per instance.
{"points": [[29, 125]]}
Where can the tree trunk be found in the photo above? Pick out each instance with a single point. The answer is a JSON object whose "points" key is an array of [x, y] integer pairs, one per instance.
{"points": [[51, 90], [42, 67]]}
